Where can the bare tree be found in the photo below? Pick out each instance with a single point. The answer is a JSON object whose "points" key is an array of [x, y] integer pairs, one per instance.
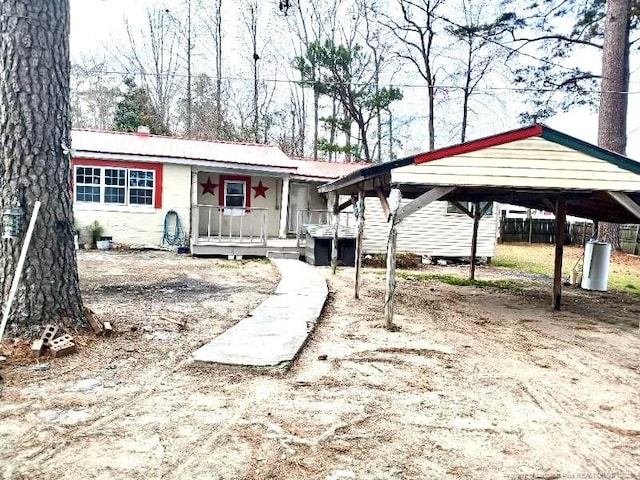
{"points": [[94, 93], [34, 164], [416, 30], [480, 53], [153, 56]]}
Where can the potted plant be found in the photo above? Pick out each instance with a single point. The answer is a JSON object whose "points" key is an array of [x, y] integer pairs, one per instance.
{"points": [[95, 231]]}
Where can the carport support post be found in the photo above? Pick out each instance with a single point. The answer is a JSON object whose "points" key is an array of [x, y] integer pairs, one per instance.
{"points": [[561, 215], [359, 239], [477, 214], [394, 197], [335, 219]]}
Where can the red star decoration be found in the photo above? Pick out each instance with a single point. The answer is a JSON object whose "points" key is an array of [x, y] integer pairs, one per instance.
{"points": [[261, 190], [209, 187]]}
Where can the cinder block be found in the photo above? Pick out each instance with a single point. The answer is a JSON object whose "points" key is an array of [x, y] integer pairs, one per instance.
{"points": [[63, 349], [48, 334], [108, 329], [36, 347], [66, 338]]}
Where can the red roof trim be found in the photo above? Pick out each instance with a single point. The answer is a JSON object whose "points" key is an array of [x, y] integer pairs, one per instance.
{"points": [[493, 141]]}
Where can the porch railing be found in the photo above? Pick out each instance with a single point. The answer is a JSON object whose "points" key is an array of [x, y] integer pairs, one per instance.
{"points": [[231, 224], [320, 219]]}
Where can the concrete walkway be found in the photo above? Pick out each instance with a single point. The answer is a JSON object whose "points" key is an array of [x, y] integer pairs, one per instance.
{"points": [[277, 329]]}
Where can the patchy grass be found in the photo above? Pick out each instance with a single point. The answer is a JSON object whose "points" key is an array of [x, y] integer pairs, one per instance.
{"points": [[624, 272], [235, 264], [503, 285]]}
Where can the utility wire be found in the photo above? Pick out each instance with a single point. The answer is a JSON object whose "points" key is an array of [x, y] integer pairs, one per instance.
{"points": [[356, 84]]}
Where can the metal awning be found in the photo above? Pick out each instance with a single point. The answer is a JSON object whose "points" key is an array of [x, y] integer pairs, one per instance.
{"points": [[529, 167]]}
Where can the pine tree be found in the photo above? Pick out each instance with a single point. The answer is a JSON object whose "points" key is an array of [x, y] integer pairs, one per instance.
{"points": [[35, 165], [136, 109]]}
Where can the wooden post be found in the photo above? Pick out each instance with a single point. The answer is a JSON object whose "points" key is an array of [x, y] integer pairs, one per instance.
{"points": [[477, 214], [195, 210], [359, 240], [389, 299], [561, 215], [333, 198], [284, 209]]}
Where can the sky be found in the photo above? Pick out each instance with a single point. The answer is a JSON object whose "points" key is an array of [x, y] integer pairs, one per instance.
{"points": [[95, 24]]}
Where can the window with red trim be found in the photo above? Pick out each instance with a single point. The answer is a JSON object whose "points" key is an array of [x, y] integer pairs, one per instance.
{"points": [[117, 183]]}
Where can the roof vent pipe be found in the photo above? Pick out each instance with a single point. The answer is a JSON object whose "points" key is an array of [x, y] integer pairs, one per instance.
{"points": [[144, 131]]}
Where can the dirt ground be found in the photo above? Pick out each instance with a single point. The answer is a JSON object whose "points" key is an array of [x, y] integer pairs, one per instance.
{"points": [[477, 383]]}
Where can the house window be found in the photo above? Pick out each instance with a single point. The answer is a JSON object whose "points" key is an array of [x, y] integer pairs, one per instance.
{"points": [[141, 187], [115, 186], [454, 210], [87, 184], [235, 191], [235, 194]]}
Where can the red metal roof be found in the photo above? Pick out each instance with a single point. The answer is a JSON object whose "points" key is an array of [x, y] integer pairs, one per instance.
{"points": [[167, 148], [120, 143]]}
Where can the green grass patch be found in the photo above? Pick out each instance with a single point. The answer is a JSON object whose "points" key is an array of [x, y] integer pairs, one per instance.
{"points": [[528, 264], [503, 285]]}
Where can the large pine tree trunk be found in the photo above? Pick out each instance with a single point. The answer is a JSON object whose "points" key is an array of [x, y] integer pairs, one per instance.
{"points": [[612, 118], [34, 124]]}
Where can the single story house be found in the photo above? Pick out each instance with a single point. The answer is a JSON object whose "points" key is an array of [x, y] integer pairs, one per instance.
{"points": [[234, 199], [230, 198]]}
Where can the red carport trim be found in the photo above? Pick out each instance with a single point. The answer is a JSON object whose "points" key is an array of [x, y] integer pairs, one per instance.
{"points": [[493, 141]]}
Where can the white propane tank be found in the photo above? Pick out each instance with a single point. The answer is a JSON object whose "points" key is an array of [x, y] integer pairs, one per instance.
{"points": [[595, 271]]}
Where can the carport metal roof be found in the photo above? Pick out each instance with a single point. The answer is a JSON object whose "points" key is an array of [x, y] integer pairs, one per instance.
{"points": [[535, 167], [531, 167]]}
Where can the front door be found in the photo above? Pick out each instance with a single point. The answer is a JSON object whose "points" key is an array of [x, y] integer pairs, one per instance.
{"points": [[298, 200]]}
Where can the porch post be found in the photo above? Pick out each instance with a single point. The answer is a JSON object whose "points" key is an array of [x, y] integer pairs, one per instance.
{"points": [[284, 207], [195, 214]]}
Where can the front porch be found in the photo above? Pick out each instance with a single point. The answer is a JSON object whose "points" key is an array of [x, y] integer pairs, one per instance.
{"points": [[236, 249], [236, 232]]}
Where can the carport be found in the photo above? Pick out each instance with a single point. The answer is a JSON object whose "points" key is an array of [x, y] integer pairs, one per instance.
{"points": [[535, 167]]}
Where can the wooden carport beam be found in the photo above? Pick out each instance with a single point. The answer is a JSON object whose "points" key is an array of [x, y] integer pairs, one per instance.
{"points": [[335, 223], [422, 201], [561, 216], [627, 202], [344, 205], [398, 215], [386, 211], [360, 209], [476, 216]]}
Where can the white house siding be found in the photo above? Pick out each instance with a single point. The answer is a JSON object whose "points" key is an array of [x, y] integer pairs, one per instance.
{"points": [[534, 163], [429, 231], [137, 224]]}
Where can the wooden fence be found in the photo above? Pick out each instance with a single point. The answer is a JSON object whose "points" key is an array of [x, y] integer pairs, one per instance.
{"points": [[577, 233], [543, 230], [629, 236]]}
